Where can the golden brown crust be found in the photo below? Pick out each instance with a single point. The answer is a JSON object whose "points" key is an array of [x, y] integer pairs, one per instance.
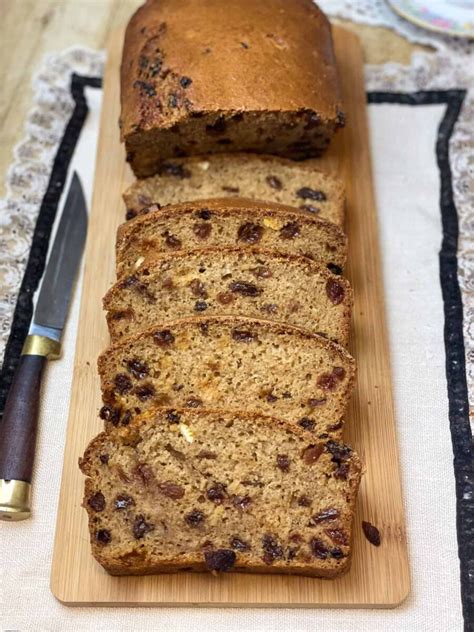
{"points": [[288, 66], [215, 59]]}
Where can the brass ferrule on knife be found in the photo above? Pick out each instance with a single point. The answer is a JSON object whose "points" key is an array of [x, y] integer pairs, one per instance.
{"points": [[14, 500], [42, 346]]}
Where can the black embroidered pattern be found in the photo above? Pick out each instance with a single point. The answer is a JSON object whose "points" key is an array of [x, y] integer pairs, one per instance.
{"points": [[44, 223], [453, 335]]}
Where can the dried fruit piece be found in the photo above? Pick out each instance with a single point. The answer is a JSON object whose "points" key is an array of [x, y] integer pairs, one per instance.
{"points": [[138, 368], [216, 493], [306, 193], [319, 549], [200, 306], [141, 527], [312, 453], [171, 490], [371, 533], [334, 268], [244, 288], [107, 413], [202, 231], [97, 501], [225, 298], [194, 518], [193, 402], [283, 462], [173, 417], [331, 513], [198, 288], [205, 214], [123, 502], [290, 231], [220, 560], [103, 536], [143, 473], [163, 338], [171, 240], [307, 423], [335, 291], [123, 384], [338, 536], [274, 182], [241, 335], [239, 545], [144, 392], [272, 549], [250, 233], [241, 502]]}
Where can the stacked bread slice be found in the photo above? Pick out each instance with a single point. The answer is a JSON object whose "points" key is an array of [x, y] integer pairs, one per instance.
{"points": [[227, 377]]}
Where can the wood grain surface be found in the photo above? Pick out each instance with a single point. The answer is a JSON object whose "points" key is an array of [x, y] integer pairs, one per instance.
{"points": [[379, 576]]}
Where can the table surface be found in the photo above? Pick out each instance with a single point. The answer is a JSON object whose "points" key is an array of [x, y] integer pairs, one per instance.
{"points": [[31, 28]]}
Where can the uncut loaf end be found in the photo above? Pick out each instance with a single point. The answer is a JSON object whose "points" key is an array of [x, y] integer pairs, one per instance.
{"points": [[207, 77]]}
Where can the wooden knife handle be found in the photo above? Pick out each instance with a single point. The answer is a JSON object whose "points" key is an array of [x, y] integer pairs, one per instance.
{"points": [[20, 420]]}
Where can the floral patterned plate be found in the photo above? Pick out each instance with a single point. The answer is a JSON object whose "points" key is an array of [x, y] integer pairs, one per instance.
{"points": [[452, 17]]}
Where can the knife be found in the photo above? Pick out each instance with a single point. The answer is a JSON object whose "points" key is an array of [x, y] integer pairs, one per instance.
{"points": [[20, 419]]}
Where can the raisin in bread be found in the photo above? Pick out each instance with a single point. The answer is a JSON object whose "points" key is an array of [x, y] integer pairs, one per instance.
{"points": [[218, 491], [228, 222], [210, 77], [229, 362], [298, 184], [231, 281]]}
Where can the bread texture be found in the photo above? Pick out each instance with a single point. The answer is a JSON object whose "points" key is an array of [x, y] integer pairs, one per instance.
{"points": [[231, 281], [210, 77], [228, 222], [240, 364], [298, 184], [188, 490]]}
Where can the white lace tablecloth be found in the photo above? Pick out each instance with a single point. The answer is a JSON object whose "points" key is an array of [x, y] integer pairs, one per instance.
{"points": [[407, 180]]}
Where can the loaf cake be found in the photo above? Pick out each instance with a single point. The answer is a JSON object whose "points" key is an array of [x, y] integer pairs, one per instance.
{"points": [[189, 490], [228, 222], [298, 184], [208, 77], [229, 362], [231, 281]]}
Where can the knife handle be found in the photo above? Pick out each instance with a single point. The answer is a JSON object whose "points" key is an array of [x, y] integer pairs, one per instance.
{"points": [[19, 426]]}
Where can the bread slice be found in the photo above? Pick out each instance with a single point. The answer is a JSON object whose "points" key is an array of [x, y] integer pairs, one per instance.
{"points": [[298, 184], [233, 363], [228, 222], [231, 281], [189, 490]]}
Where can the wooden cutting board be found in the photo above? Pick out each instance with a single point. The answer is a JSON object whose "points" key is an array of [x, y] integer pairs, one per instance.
{"points": [[379, 576]]}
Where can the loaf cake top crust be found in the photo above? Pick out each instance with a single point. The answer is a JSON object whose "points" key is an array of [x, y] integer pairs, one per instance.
{"points": [[227, 57]]}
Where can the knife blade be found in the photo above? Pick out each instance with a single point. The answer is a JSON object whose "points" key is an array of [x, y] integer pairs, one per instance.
{"points": [[20, 420]]}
